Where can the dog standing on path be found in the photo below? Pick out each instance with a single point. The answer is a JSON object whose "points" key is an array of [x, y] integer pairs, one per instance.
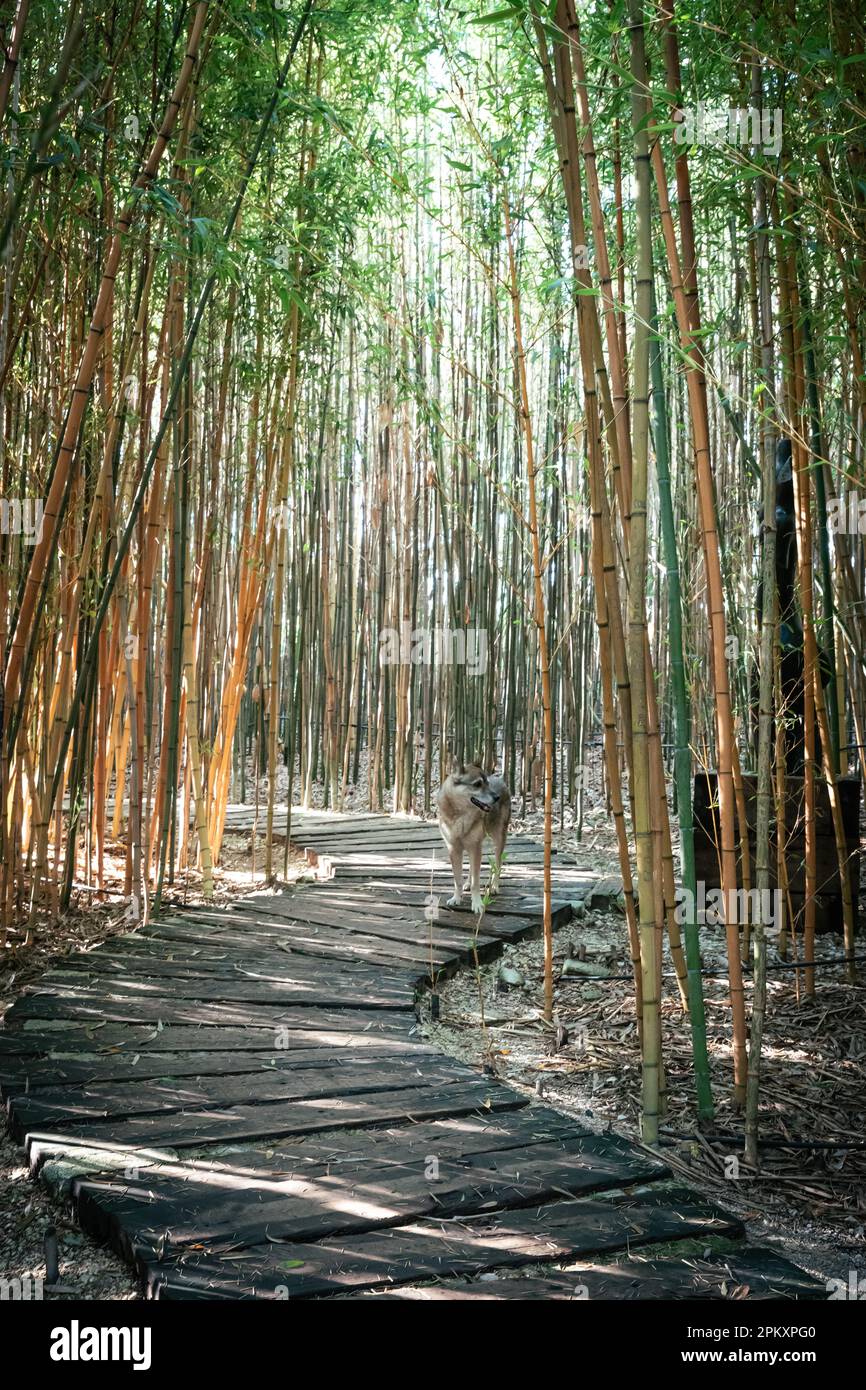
{"points": [[473, 803]]}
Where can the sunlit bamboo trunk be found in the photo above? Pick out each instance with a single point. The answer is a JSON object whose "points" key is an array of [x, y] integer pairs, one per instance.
{"points": [[645, 810], [683, 273], [768, 642], [538, 615], [607, 598]]}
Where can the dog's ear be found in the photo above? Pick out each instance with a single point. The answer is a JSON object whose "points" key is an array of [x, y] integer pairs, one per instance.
{"points": [[457, 768], [491, 767]]}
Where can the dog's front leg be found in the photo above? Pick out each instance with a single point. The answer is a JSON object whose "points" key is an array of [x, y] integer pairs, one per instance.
{"points": [[456, 855], [475, 876], [496, 870]]}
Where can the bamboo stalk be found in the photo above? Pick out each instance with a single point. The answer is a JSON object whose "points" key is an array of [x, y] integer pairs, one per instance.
{"points": [[538, 615]]}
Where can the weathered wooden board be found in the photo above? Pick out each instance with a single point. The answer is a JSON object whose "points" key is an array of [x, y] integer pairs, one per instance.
{"points": [[451, 929], [368, 919], [556, 1232], [161, 1212], [412, 944], [279, 967], [100, 1008], [405, 1143], [142, 953], [34, 1038], [117, 1099], [29, 1075], [382, 989], [293, 968], [187, 1129], [753, 1273], [525, 903]]}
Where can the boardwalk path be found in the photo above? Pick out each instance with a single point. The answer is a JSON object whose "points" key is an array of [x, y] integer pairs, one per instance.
{"points": [[240, 1103]]}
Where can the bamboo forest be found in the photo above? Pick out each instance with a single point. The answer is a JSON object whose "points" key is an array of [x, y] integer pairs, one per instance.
{"points": [[433, 639]]}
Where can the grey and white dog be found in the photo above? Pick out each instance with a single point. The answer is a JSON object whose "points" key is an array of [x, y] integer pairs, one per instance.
{"points": [[473, 803]]}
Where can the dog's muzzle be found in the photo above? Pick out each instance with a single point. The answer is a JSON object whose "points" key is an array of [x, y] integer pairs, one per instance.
{"points": [[484, 805]]}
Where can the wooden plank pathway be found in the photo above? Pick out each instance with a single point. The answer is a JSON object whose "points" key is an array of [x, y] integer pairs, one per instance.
{"points": [[240, 1103]]}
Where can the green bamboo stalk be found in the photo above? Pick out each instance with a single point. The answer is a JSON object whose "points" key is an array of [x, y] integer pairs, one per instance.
{"points": [[645, 812], [682, 715], [826, 627], [769, 620]]}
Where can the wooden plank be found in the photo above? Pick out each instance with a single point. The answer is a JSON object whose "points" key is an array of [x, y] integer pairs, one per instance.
{"points": [[299, 938], [371, 841], [99, 1008], [400, 1145], [399, 927], [752, 1273], [407, 1143], [191, 1129], [522, 901], [81, 1040], [307, 820], [369, 919], [361, 911], [168, 1208], [407, 920], [399, 1255], [277, 967], [115, 1099], [27, 1075], [419, 863], [509, 923], [412, 939], [293, 969], [366, 938], [382, 989]]}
